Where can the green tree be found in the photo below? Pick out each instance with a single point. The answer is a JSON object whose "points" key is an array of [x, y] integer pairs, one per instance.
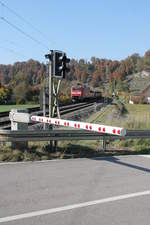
{"points": [[20, 93], [4, 94]]}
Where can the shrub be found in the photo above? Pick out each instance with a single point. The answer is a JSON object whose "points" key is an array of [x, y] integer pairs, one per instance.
{"points": [[45, 157], [16, 156]]}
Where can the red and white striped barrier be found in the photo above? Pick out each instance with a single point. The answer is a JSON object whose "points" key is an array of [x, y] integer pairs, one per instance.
{"points": [[81, 125]]}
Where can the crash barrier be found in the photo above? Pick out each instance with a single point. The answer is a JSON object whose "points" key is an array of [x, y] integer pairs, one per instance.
{"points": [[81, 125]]}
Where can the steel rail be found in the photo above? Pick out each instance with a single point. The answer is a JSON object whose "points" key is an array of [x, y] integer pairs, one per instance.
{"points": [[5, 121]]}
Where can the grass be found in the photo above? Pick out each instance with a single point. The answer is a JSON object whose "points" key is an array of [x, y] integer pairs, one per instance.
{"points": [[100, 117], [135, 116], [6, 108], [67, 150], [138, 117], [141, 109], [34, 152], [138, 146], [131, 117], [44, 152]]}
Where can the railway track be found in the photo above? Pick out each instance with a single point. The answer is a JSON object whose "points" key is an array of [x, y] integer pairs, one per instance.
{"points": [[30, 110], [64, 110]]}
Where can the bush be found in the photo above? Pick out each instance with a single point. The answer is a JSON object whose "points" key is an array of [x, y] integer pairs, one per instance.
{"points": [[45, 157], [120, 107], [28, 156], [143, 149], [16, 156], [2, 157]]}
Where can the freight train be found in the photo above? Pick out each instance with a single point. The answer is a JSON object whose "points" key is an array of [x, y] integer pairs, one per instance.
{"points": [[81, 92]]}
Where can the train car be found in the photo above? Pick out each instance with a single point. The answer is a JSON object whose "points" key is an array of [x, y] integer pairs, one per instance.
{"points": [[81, 92]]}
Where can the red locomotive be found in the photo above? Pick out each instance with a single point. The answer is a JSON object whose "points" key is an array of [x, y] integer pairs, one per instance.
{"points": [[81, 92]]}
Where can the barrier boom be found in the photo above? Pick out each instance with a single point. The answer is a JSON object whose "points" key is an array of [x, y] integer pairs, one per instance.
{"points": [[81, 125]]}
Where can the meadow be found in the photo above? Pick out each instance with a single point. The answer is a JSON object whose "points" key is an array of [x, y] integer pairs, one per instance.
{"points": [[6, 108]]}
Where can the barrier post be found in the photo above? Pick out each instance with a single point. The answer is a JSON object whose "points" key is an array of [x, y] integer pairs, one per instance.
{"points": [[18, 126]]}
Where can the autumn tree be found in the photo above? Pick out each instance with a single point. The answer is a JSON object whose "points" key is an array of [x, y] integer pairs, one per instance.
{"points": [[147, 61], [20, 93]]}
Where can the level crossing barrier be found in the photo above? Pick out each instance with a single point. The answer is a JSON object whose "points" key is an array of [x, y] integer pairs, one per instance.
{"points": [[103, 129]]}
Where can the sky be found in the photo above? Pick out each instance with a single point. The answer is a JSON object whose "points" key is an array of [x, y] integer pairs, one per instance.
{"points": [[112, 29]]}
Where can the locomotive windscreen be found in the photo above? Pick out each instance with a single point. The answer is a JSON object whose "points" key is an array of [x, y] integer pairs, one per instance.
{"points": [[76, 88]]}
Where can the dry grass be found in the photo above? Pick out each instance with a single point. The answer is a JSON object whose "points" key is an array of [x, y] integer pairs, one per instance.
{"points": [[136, 116]]}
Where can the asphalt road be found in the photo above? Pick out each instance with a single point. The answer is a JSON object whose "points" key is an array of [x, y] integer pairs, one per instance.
{"points": [[106, 191]]}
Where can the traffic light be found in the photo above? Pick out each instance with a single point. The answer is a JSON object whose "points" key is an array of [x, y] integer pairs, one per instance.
{"points": [[57, 64], [65, 68], [60, 61]]}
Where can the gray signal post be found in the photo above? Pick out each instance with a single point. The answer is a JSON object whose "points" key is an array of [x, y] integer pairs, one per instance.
{"points": [[51, 84], [49, 88], [56, 69]]}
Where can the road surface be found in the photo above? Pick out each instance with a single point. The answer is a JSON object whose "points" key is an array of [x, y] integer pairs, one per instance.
{"points": [[107, 191]]}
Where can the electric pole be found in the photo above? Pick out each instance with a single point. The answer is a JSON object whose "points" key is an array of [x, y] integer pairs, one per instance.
{"points": [[106, 85]]}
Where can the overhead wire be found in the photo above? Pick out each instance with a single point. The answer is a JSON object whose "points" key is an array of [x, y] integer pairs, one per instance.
{"points": [[24, 33], [16, 27], [12, 51], [14, 45], [24, 20]]}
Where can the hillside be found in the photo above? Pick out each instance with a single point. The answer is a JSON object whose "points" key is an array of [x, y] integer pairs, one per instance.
{"points": [[22, 81], [138, 82], [135, 116]]}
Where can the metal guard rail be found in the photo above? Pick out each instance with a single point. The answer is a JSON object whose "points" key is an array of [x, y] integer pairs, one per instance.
{"points": [[61, 135]]}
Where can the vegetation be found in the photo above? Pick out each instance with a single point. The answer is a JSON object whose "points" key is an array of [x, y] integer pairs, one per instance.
{"points": [[32, 153], [124, 115], [73, 149], [22, 82], [138, 146], [6, 108]]}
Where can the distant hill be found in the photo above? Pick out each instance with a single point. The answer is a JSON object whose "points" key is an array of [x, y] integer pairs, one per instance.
{"points": [[23, 80], [138, 82], [31, 71]]}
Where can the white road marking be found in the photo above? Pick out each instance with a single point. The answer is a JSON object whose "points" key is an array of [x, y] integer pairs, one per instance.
{"points": [[74, 206], [145, 156]]}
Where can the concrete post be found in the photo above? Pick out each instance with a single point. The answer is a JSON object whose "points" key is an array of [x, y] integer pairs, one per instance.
{"points": [[104, 143]]}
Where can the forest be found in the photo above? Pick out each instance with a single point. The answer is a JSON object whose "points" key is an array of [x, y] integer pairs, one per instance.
{"points": [[22, 81]]}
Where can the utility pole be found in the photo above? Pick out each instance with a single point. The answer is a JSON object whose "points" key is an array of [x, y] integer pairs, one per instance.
{"points": [[113, 88], [106, 85], [44, 107], [50, 84]]}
